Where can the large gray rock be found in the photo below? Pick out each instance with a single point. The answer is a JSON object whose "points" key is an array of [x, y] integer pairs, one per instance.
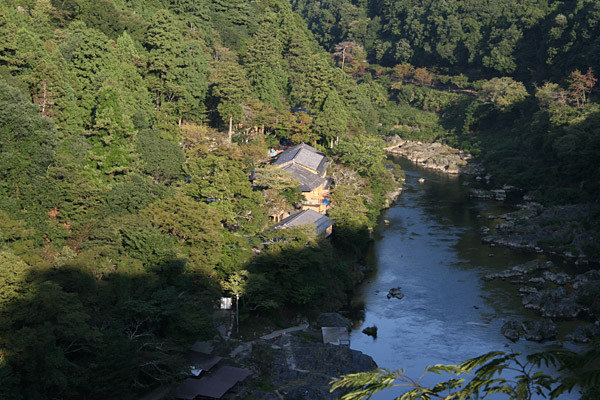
{"points": [[434, 156], [555, 230], [559, 278], [512, 330], [520, 270], [557, 303], [585, 334], [395, 292], [591, 277], [540, 331], [537, 331]]}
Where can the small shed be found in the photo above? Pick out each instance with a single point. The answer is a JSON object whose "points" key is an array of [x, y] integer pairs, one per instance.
{"points": [[225, 303], [337, 335]]}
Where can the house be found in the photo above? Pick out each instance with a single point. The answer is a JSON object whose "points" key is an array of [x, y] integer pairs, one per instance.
{"points": [[309, 166], [323, 225]]}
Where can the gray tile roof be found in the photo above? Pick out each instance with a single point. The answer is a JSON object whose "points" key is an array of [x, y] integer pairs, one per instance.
{"points": [[306, 217], [308, 181], [214, 385], [305, 155]]}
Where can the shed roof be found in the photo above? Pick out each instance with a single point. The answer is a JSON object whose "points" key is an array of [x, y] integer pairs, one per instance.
{"points": [[201, 361], [306, 217], [214, 385]]}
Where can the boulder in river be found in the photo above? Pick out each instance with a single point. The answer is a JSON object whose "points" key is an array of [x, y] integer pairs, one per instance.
{"points": [[540, 331], [371, 331], [585, 334], [395, 292], [512, 330], [557, 303], [537, 331]]}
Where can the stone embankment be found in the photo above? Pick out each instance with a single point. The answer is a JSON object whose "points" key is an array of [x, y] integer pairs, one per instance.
{"points": [[435, 156], [555, 296]]}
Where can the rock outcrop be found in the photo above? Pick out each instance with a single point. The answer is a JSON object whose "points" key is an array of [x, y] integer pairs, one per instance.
{"points": [[552, 294], [555, 230], [332, 319], [302, 369], [434, 156]]}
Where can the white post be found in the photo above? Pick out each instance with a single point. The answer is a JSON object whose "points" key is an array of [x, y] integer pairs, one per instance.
{"points": [[237, 313]]}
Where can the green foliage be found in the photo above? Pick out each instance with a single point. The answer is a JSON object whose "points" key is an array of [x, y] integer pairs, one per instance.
{"points": [[536, 40], [177, 67], [503, 93], [133, 195], [291, 270], [365, 153], [108, 222], [485, 377], [230, 87], [223, 183], [161, 158], [27, 141], [332, 122]]}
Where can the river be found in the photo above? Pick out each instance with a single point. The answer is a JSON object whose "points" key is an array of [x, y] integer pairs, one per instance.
{"points": [[428, 243]]}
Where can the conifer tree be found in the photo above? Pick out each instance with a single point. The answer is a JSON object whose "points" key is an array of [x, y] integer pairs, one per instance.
{"points": [[230, 88]]}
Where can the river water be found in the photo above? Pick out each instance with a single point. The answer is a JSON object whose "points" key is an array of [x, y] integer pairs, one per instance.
{"points": [[428, 243]]}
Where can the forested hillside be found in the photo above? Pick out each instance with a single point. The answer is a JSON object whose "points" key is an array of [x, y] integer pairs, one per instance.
{"points": [[535, 40], [513, 82], [128, 131]]}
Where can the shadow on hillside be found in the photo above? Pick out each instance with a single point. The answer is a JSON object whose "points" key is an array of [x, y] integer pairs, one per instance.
{"points": [[65, 334]]}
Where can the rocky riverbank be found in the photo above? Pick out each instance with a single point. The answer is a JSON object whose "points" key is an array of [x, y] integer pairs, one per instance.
{"points": [[435, 156], [556, 230], [555, 296]]}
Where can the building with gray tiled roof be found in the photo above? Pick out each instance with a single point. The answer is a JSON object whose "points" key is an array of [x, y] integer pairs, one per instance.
{"points": [[305, 217], [308, 181], [309, 166], [305, 156]]}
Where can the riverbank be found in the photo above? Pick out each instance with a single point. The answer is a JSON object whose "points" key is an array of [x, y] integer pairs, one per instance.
{"points": [[562, 230], [434, 156], [557, 230]]}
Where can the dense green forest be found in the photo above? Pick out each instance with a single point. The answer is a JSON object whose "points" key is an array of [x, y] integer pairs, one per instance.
{"points": [[129, 128], [513, 82]]}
